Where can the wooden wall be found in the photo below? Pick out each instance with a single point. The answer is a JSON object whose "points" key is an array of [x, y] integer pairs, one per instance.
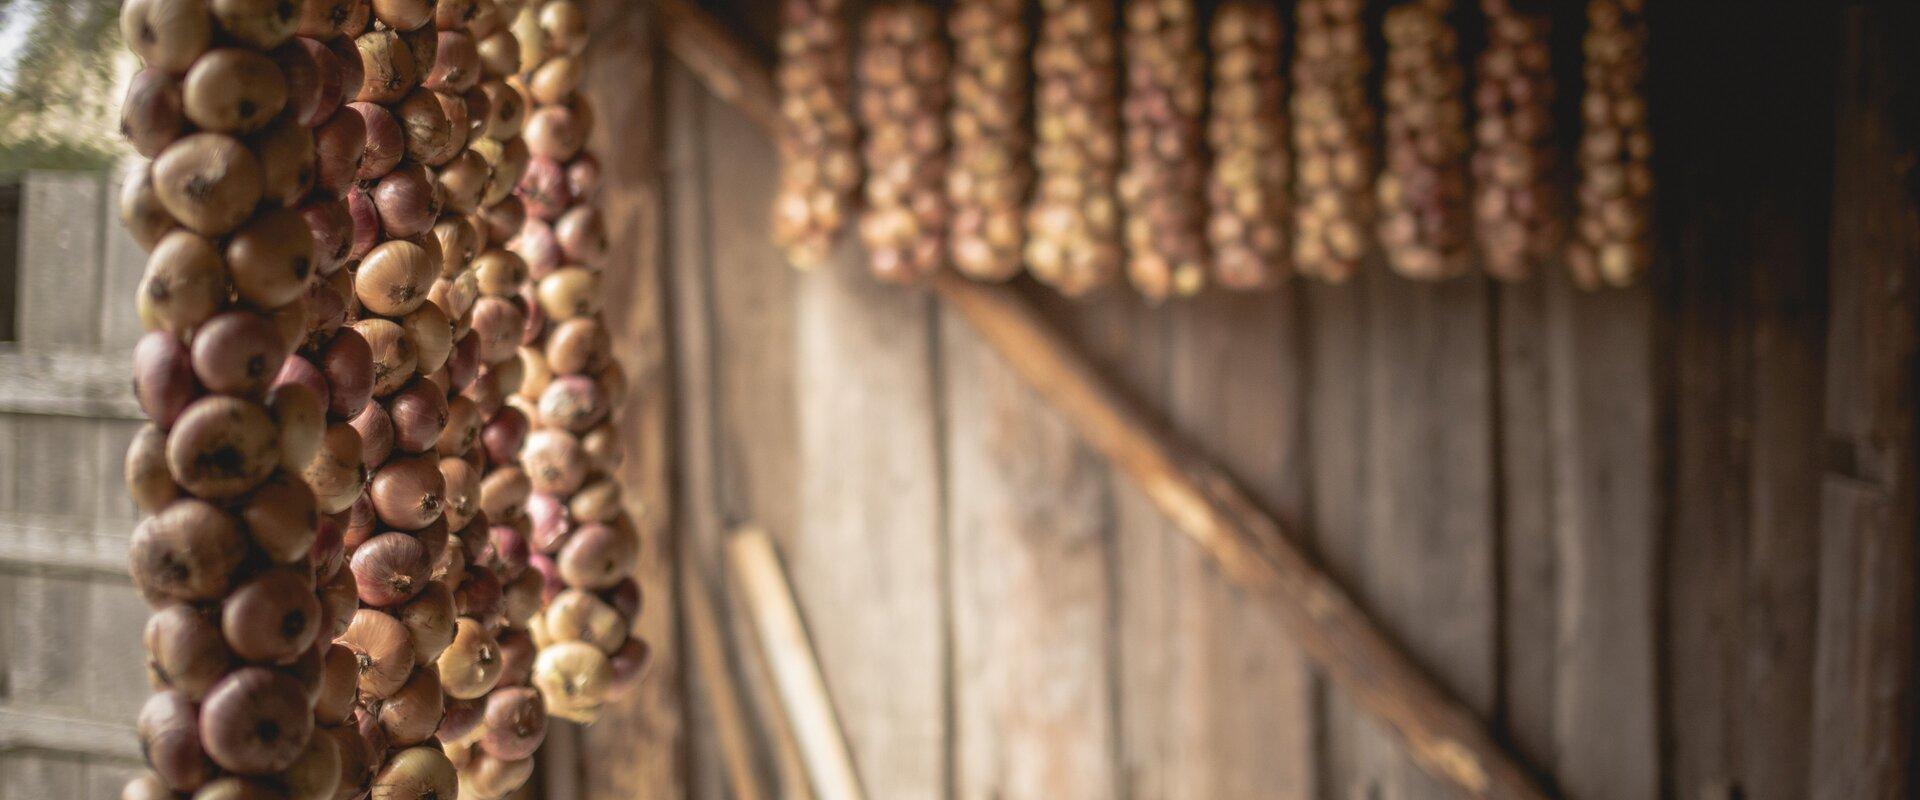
{"points": [[1661, 539]]}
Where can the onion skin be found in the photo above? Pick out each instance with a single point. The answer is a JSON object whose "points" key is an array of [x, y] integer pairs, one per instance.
{"points": [[262, 24], [331, 224], [340, 145], [412, 714], [233, 90], [407, 201], [418, 772], [282, 517], [336, 473], [357, 761], [504, 434], [429, 618], [544, 190], [256, 721], [148, 480], [419, 412], [163, 381], [390, 569], [470, 666], [461, 433], [323, 19], [394, 357], [238, 353], [185, 651], [166, 34], [456, 65], [376, 435], [574, 677], [316, 774], [185, 283], [299, 412], [152, 116], [210, 182], [347, 364], [576, 615], [338, 686], [394, 277], [169, 732], [313, 79], [385, 141], [579, 346], [388, 65], [460, 727], [222, 446], [146, 220], [598, 555], [339, 599], [554, 462], [516, 723], [381, 649], [188, 551], [435, 123], [271, 258], [408, 493], [271, 618], [574, 402]]}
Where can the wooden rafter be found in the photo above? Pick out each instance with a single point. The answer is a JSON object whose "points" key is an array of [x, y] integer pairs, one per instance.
{"points": [[1246, 544]]}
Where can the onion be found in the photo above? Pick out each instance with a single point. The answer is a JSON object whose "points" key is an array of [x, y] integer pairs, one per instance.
{"points": [[493, 777], [582, 234], [508, 170], [221, 447], [233, 90], [388, 65], [459, 242], [455, 14], [461, 432], [376, 435], [349, 368], [316, 774], [576, 677], [408, 493], [385, 141], [454, 297], [575, 615], [169, 732], [287, 161], [500, 274], [456, 65], [282, 518], [564, 26], [362, 523], [464, 365], [394, 356], [323, 19], [262, 24], [552, 521], [598, 501], [463, 180], [503, 491], [624, 596], [271, 258], [407, 200], [231, 788], [327, 558], [628, 665], [535, 374], [503, 435], [357, 757], [336, 472], [417, 773], [340, 149], [504, 218], [579, 345], [184, 651], [553, 462], [390, 568], [208, 181], [516, 723], [583, 176], [152, 116], [339, 599], [555, 80], [146, 786], [499, 53], [429, 620], [312, 73], [403, 15], [273, 617], [424, 43], [147, 477], [556, 132], [256, 721], [462, 492], [412, 714], [163, 381], [432, 336], [570, 292], [166, 34], [498, 322], [574, 402], [543, 188], [331, 226], [509, 551], [435, 537], [141, 212], [481, 596], [436, 125], [301, 417], [382, 650], [237, 353], [365, 219], [339, 676], [459, 726], [419, 414]]}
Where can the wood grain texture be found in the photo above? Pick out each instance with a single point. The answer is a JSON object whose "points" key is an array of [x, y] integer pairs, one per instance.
{"points": [[66, 383], [61, 230], [1863, 704], [636, 749], [707, 643], [122, 263], [1031, 588]]}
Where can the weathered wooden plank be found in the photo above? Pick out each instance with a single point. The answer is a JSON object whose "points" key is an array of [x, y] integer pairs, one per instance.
{"points": [[61, 231], [57, 465], [1031, 588], [38, 776], [103, 778], [66, 542], [69, 643], [1238, 703], [637, 748], [79, 384], [1863, 708], [34, 730], [122, 263], [867, 561], [1530, 555]]}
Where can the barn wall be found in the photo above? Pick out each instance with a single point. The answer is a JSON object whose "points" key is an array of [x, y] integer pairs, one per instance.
{"points": [[1630, 529]]}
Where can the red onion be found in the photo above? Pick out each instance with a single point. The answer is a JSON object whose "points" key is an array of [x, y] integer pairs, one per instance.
{"points": [[208, 181], [184, 650], [386, 141], [419, 413], [152, 117], [233, 90], [388, 64], [456, 66], [238, 353], [436, 125], [222, 446], [543, 188], [313, 80], [407, 200], [262, 24], [464, 363], [167, 34], [286, 154], [376, 435], [408, 493], [347, 364], [140, 209], [340, 145], [331, 224], [583, 176], [256, 721], [366, 220], [390, 568], [504, 219], [271, 258], [169, 733], [273, 617], [504, 434], [163, 381]]}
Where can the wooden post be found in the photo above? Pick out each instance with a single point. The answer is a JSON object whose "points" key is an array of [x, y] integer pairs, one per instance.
{"points": [[1440, 733], [710, 660], [796, 672]]}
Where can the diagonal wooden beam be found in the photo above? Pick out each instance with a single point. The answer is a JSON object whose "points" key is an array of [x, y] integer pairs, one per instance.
{"points": [[1245, 543]]}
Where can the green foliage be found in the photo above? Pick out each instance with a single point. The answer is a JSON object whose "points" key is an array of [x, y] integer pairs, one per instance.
{"points": [[62, 71]]}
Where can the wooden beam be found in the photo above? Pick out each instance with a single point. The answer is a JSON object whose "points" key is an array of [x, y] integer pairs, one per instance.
{"points": [[73, 384], [795, 668], [709, 648], [93, 547], [1247, 545], [34, 730]]}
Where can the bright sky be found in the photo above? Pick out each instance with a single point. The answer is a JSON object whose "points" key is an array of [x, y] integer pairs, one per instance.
{"points": [[13, 33]]}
